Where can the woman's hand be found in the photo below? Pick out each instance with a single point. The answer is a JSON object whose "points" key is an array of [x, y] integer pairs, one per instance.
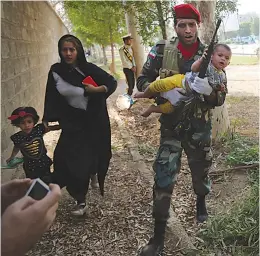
{"points": [[90, 88]]}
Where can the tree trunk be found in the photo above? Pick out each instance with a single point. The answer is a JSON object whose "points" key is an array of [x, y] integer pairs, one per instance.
{"points": [[221, 123], [100, 54], [104, 55], [161, 20], [112, 67], [138, 47]]}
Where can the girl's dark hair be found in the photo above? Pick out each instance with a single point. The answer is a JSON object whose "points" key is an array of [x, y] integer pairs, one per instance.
{"points": [[29, 110]]}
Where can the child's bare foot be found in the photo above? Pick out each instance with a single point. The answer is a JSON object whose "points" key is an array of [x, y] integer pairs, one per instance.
{"points": [[138, 95]]}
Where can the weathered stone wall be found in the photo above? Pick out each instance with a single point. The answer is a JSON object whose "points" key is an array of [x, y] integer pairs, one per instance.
{"points": [[29, 35]]}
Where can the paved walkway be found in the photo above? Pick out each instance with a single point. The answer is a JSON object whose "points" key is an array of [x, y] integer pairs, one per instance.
{"points": [[243, 80]]}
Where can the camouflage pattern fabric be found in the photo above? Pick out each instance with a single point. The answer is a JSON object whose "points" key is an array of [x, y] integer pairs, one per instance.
{"points": [[197, 146]]}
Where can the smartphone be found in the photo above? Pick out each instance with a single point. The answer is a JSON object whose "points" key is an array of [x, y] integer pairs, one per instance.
{"points": [[89, 80], [38, 190]]}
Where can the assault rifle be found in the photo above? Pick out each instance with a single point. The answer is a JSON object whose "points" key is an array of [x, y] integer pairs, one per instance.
{"points": [[205, 62]]}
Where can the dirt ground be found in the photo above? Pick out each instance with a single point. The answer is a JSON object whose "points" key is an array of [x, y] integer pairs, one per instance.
{"points": [[117, 224], [244, 116], [121, 222], [114, 225]]}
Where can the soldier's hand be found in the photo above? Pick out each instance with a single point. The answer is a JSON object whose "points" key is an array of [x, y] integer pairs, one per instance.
{"points": [[205, 53], [201, 86]]}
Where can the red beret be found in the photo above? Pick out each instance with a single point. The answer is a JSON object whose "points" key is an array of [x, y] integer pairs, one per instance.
{"points": [[186, 11]]}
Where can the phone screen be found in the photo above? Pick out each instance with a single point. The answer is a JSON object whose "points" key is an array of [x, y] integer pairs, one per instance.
{"points": [[38, 191]]}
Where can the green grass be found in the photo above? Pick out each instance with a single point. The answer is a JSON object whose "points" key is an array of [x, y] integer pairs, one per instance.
{"points": [[233, 99], [242, 150], [237, 231], [244, 60]]}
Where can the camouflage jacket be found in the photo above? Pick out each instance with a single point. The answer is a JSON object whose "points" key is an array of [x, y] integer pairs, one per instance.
{"points": [[151, 70]]}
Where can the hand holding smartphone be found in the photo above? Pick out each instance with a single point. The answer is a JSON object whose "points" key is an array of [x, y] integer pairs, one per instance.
{"points": [[38, 189]]}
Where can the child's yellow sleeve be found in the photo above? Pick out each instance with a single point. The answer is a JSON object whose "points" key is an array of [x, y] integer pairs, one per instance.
{"points": [[166, 107], [167, 84]]}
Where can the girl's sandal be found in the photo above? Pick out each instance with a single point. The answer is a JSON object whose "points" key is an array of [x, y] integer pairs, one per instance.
{"points": [[13, 163]]}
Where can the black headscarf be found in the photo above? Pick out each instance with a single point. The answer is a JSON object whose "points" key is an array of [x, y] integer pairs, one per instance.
{"points": [[81, 59], [85, 143]]}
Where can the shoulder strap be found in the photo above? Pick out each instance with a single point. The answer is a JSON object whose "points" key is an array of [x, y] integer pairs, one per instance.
{"points": [[127, 54]]}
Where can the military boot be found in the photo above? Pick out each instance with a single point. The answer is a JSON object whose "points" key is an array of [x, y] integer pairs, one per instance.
{"points": [[202, 214], [156, 244], [152, 249]]}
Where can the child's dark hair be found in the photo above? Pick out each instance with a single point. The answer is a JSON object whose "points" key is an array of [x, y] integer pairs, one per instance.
{"points": [[222, 45], [28, 110]]}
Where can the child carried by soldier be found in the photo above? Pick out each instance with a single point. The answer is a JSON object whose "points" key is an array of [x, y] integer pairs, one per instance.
{"points": [[216, 75]]}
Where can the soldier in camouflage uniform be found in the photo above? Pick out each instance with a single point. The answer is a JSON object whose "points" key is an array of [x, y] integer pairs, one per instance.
{"points": [[189, 130]]}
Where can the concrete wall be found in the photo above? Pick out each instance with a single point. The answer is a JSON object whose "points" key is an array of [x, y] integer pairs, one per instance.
{"points": [[29, 36]]}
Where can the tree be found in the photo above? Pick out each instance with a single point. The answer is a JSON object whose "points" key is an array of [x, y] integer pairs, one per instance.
{"points": [[222, 7], [220, 120], [93, 22], [245, 29], [138, 48], [151, 17]]}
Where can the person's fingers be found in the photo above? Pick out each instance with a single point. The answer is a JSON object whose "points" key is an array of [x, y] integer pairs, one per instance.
{"points": [[53, 209], [49, 220], [16, 184], [55, 188], [23, 203], [50, 199], [23, 182], [20, 189], [50, 216]]}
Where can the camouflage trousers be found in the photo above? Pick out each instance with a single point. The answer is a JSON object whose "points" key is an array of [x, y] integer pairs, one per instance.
{"points": [[196, 143]]}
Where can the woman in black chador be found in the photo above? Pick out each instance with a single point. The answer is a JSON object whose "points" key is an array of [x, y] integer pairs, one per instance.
{"points": [[84, 147]]}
